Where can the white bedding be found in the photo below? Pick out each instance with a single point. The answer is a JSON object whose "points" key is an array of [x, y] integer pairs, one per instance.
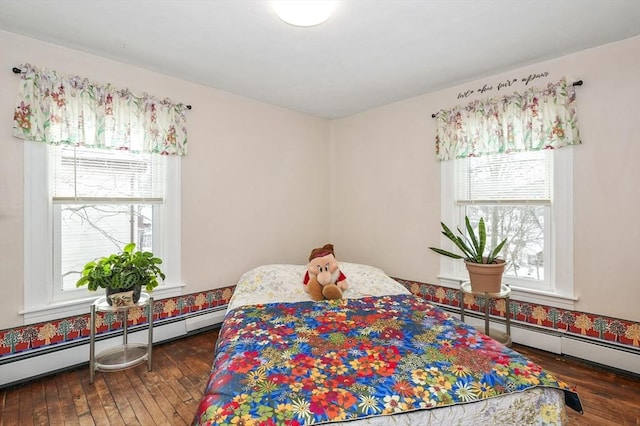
{"points": [[283, 283]]}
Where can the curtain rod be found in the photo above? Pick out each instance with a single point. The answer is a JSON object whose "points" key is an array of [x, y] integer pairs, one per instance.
{"points": [[17, 70], [575, 83]]}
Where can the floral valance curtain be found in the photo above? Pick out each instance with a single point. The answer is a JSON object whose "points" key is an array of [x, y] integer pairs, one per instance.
{"points": [[71, 110], [534, 120]]}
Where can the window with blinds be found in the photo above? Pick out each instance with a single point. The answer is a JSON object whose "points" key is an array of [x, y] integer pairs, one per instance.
{"points": [[515, 178], [83, 174], [102, 200], [513, 193]]}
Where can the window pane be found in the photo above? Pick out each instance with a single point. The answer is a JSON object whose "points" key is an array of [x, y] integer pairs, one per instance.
{"points": [[83, 173], [91, 231], [523, 226], [518, 176]]}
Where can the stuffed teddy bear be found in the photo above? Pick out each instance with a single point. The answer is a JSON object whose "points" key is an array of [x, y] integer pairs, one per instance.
{"points": [[323, 279]]}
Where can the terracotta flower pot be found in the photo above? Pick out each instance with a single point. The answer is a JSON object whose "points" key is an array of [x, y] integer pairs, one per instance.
{"points": [[486, 277]]}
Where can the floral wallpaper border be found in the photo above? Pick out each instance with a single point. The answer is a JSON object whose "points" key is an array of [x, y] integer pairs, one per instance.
{"points": [[597, 327], [36, 337]]}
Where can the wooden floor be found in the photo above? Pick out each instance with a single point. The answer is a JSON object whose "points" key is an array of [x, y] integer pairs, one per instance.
{"points": [[169, 394]]}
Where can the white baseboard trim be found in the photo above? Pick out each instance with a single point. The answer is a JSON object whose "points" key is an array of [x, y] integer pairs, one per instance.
{"points": [[604, 355], [539, 339], [205, 320]]}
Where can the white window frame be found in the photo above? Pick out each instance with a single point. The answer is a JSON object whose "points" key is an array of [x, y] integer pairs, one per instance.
{"points": [[40, 303], [560, 289]]}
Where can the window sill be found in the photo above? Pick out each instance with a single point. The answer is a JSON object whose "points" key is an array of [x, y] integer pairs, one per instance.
{"points": [[537, 297], [58, 310]]}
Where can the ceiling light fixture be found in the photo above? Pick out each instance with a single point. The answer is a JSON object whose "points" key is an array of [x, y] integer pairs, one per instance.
{"points": [[304, 13]]}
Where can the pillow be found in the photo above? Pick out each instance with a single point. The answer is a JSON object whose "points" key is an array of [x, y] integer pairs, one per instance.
{"points": [[283, 283]]}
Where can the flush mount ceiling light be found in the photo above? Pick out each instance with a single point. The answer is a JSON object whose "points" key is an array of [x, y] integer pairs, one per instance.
{"points": [[304, 13]]}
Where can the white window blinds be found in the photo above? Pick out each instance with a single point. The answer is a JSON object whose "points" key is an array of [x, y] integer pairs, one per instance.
{"points": [[514, 178], [105, 176]]}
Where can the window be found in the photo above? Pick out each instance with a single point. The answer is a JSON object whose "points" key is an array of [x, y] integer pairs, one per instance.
{"points": [[102, 200], [506, 160], [524, 197], [102, 169], [84, 203], [513, 193]]}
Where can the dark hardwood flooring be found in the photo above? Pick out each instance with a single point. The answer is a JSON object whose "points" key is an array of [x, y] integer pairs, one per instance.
{"points": [[608, 397], [169, 394]]}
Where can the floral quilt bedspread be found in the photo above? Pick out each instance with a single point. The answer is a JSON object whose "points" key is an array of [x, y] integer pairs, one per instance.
{"points": [[319, 362]]}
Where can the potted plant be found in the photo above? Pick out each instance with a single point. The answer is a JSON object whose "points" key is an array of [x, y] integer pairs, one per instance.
{"points": [[485, 272], [123, 272]]}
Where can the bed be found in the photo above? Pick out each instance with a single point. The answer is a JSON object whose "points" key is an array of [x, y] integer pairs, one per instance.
{"points": [[381, 356]]}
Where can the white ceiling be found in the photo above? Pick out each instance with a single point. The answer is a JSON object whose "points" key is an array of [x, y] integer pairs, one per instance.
{"points": [[370, 53]]}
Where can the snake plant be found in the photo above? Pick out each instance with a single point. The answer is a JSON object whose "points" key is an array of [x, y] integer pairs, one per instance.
{"points": [[473, 246]]}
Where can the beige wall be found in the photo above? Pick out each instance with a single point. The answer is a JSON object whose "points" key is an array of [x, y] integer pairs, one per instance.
{"points": [[250, 183], [386, 200], [245, 182]]}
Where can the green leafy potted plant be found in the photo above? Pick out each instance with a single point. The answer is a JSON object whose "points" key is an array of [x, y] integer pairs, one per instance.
{"points": [[122, 272], [485, 271]]}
